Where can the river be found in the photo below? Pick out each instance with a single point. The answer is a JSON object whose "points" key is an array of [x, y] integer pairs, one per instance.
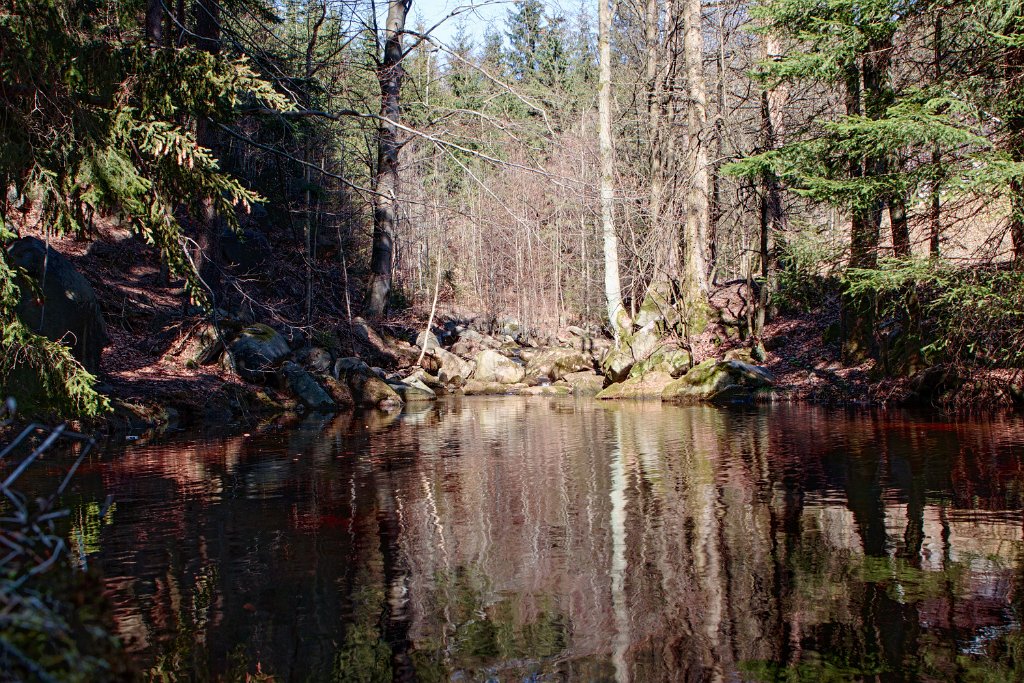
{"points": [[559, 539]]}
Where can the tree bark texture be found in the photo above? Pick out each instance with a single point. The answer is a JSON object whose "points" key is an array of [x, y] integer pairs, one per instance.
{"points": [[617, 317], [386, 180], [694, 287]]}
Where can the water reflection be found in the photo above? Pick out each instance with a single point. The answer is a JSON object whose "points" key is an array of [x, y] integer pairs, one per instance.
{"points": [[508, 538]]}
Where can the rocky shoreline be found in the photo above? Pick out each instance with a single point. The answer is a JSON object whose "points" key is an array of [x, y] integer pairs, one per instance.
{"points": [[162, 364]]}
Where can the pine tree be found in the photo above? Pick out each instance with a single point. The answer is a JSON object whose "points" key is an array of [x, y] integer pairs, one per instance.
{"points": [[525, 24], [94, 119]]}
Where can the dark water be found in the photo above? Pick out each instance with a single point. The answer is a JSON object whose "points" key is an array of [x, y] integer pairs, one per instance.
{"points": [[548, 539]]}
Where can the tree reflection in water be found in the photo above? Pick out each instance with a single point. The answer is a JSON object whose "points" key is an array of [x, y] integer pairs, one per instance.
{"points": [[503, 538]]}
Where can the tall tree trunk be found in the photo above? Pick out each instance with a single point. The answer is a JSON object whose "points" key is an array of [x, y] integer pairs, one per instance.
{"points": [[207, 38], [900, 226], [694, 276], [716, 212], [660, 68], [935, 217], [773, 215], [617, 316], [856, 318], [1015, 139], [385, 182], [873, 76], [154, 22]]}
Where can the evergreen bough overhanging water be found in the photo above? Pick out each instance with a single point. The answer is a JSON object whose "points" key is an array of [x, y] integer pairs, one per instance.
{"points": [[94, 121]]}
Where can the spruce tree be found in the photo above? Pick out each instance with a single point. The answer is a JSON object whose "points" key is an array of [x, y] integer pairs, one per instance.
{"points": [[94, 120]]}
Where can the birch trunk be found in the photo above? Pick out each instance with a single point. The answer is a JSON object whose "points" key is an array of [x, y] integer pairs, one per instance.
{"points": [[617, 317]]}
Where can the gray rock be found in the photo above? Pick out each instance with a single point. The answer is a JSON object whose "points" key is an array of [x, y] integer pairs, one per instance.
{"points": [[301, 384], [256, 351], [315, 359], [427, 339], [367, 388], [712, 381], [491, 366], [201, 346], [586, 383], [555, 364], [412, 390], [649, 385], [449, 368], [59, 303]]}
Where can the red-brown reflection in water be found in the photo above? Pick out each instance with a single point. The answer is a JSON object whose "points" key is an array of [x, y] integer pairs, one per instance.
{"points": [[508, 537]]}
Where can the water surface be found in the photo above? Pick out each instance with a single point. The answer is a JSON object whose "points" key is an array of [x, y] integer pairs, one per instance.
{"points": [[556, 539]]}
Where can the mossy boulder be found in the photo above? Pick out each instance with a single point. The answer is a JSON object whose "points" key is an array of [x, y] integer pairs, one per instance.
{"points": [[671, 360], [713, 381], [301, 384], [338, 391], [650, 385], [586, 383], [367, 388], [256, 352], [57, 301]]}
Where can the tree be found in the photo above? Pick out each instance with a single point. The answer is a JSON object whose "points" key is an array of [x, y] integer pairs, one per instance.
{"points": [[526, 39], [618, 319], [93, 121], [694, 275], [390, 73]]}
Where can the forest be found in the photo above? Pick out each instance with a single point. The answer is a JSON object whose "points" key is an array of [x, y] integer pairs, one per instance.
{"points": [[655, 186], [257, 253]]}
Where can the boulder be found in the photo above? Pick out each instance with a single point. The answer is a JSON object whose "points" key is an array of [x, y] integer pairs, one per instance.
{"points": [[384, 346], [430, 381], [412, 390], [256, 351], [729, 381], [427, 339], [556, 363], [672, 360], [618, 362], [549, 390], [470, 342], [491, 366], [449, 368], [301, 384], [586, 383], [315, 359], [58, 302], [337, 390], [201, 345], [507, 326], [475, 387], [650, 385], [367, 388]]}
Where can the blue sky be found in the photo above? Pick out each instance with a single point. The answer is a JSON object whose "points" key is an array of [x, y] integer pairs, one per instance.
{"points": [[429, 12]]}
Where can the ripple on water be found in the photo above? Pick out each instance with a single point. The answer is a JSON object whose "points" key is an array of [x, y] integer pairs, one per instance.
{"points": [[512, 537]]}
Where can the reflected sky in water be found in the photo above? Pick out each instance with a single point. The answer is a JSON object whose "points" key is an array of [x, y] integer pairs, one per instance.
{"points": [[558, 539]]}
